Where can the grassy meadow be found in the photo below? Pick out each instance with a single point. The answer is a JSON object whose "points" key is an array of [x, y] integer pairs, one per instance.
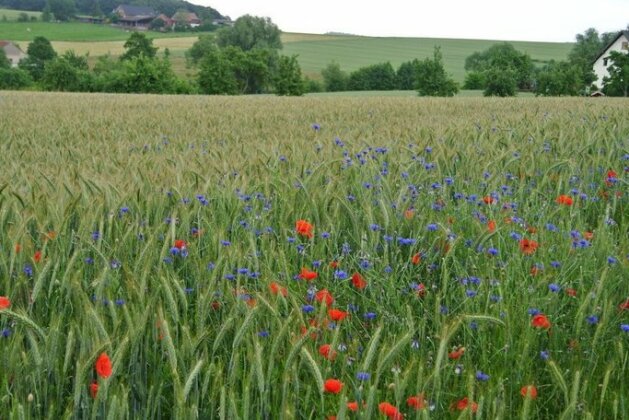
{"points": [[264, 257]]}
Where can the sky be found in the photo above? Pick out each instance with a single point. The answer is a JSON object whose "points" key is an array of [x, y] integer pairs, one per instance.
{"points": [[509, 20]]}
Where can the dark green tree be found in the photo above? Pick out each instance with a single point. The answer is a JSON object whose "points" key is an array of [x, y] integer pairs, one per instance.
{"points": [[407, 75], [39, 52], [587, 47], [138, 44], [375, 77], [4, 61], [204, 45], [14, 79], [559, 78], [334, 79], [61, 75], [500, 82], [289, 81], [216, 75], [474, 80], [503, 56], [250, 32], [432, 79], [62, 9], [617, 83]]}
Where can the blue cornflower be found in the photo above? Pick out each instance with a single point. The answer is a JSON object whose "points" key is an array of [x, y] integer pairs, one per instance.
{"points": [[544, 355], [432, 227], [115, 264], [611, 260], [316, 127], [363, 376], [555, 264], [374, 227], [28, 270], [6, 333], [470, 293], [307, 308], [624, 327], [263, 334], [533, 311], [95, 235], [493, 251], [592, 319], [481, 376], [370, 316], [553, 287], [225, 243], [325, 235], [340, 274]]}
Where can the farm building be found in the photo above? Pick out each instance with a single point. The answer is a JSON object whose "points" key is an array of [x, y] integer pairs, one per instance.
{"points": [[135, 16], [187, 18], [13, 52], [621, 44]]}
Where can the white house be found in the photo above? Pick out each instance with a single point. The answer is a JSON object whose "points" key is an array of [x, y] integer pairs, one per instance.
{"points": [[13, 52], [621, 44]]}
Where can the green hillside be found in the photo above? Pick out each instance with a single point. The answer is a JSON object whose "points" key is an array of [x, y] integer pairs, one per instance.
{"points": [[352, 52]]}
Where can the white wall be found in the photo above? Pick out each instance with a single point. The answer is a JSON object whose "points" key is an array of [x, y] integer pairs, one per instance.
{"points": [[599, 66]]}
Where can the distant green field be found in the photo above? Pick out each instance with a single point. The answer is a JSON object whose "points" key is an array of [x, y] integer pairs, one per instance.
{"points": [[71, 31], [352, 52], [12, 15]]}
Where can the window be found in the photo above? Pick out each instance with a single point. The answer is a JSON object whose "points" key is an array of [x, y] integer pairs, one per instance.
{"points": [[625, 45], [605, 61]]}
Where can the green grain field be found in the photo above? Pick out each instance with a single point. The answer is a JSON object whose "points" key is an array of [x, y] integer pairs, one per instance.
{"points": [[303, 258], [13, 15]]}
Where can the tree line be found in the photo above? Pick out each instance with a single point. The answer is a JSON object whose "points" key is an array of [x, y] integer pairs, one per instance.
{"points": [[246, 59]]}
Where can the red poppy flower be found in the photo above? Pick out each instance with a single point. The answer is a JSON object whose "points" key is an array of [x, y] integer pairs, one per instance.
{"points": [[326, 351], [588, 235], [571, 292], [5, 303], [308, 275], [390, 410], [540, 321], [51, 234], [624, 306], [358, 281], [456, 354], [610, 174], [332, 386], [278, 289], [324, 296], [464, 404], [304, 228], [37, 256], [180, 244], [421, 290], [103, 366], [409, 213], [337, 314], [352, 406], [93, 389], [416, 259], [334, 264], [565, 200], [18, 248], [534, 270], [489, 200], [528, 246], [491, 226], [418, 402], [529, 391]]}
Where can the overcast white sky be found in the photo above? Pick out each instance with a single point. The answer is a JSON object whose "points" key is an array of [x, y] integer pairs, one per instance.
{"points": [[532, 20]]}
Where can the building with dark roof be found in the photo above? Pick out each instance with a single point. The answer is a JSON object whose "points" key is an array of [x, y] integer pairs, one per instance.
{"points": [[620, 43]]}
